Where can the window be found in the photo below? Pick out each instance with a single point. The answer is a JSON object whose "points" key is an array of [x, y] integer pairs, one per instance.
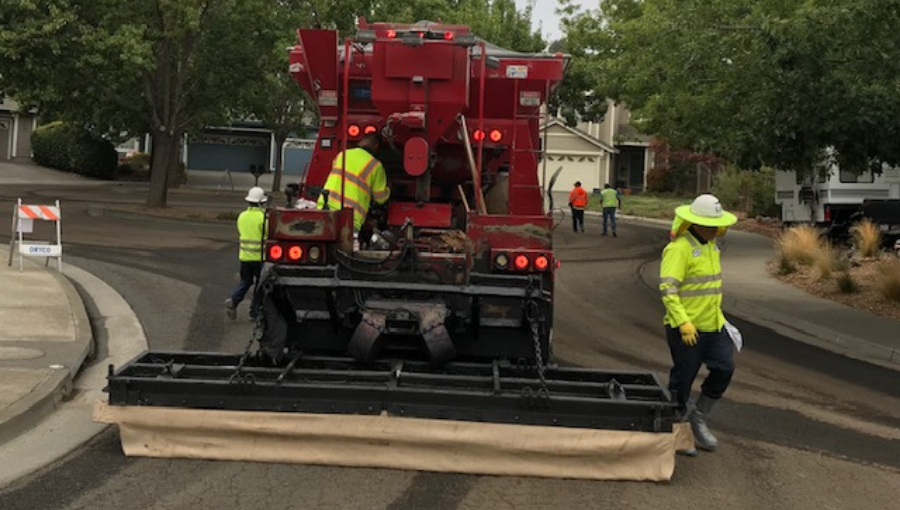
{"points": [[849, 176]]}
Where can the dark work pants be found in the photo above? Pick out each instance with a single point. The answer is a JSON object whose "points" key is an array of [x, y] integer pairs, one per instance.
{"points": [[716, 350], [249, 275], [609, 215], [577, 219]]}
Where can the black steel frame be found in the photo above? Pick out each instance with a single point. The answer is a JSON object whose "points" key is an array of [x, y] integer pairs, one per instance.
{"points": [[495, 392]]}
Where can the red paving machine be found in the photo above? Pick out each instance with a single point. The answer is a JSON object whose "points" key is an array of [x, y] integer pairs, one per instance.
{"points": [[443, 313]]}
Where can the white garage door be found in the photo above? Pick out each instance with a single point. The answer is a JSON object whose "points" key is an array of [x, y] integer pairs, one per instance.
{"points": [[584, 168]]}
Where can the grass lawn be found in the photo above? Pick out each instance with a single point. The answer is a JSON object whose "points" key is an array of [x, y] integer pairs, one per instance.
{"points": [[645, 205]]}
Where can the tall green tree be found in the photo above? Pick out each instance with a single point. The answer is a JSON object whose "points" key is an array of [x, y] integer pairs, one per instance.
{"points": [[163, 66], [760, 82]]}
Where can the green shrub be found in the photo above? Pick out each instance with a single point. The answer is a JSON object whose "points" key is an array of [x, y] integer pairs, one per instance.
{"points": [[750, 191], [50, 145], [93, 157], [134, 168], [66, 147]]}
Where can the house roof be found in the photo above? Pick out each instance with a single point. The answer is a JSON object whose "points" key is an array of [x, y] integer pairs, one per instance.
{"points": [[584, 136]]}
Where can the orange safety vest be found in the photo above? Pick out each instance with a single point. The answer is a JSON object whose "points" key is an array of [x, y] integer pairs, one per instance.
{"points": [[578, 198]]}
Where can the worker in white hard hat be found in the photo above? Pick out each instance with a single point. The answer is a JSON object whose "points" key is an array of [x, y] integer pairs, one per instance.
{"points": [[691, 287], [251, 225]]}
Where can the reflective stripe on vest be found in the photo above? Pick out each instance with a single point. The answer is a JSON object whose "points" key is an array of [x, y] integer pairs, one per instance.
{"points": [[691, 283], [252, 234], [353, 185]]}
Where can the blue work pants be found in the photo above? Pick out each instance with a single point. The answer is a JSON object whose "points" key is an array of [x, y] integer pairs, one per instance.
{"points": [[249, 276], [715, 350], [609, 215]]}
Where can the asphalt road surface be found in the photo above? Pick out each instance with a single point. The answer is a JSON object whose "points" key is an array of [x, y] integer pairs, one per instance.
{"points": [[800, 428]]}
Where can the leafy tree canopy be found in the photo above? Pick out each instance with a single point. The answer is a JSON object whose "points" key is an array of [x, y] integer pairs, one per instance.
{"points": [[760, 82]]}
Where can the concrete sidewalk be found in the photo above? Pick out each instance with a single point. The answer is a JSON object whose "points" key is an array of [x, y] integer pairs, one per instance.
{"points": [[45, 337], [752, 294]]}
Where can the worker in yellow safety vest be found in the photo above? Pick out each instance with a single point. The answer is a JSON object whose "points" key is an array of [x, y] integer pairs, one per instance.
{"points": [[610, 201], [691, 287], [362, 178], [251, 226]]}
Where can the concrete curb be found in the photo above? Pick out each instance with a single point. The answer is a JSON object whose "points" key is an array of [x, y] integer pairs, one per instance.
{"points": [[47, 396], [115, 325], [813, 334], [798, 329]]}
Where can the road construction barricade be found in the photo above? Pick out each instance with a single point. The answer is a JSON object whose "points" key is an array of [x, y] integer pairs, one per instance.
{"points": [[24, 216]]}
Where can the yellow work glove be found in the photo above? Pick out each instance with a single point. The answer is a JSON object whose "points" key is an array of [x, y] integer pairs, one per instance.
{"points": [[689, 334]]}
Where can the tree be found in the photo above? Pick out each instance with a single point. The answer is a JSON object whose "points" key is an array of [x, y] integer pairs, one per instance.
{"points": [[780, 83], [167, 66]]}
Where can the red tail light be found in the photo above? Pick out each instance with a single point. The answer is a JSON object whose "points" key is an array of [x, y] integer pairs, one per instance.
{"points": [[496, 135], [353, 130], [295, 253], [521, 262], [391, 34], [478, 135], [275, 252], [370, 129], [827, 214], [541, 263], [448, 36]]}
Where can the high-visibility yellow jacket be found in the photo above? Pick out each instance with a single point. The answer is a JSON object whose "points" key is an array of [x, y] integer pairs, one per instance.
{"points": [[251, 225], [609, 198], [364, 180], [691, 283]]}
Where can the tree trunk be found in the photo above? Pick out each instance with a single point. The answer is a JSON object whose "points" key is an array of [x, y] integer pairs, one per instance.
{"points": [[279, 161], [176, 176], [164, 146]]}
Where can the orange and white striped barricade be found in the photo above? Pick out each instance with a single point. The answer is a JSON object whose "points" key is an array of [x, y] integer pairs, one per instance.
{"points": [[23, 220]]}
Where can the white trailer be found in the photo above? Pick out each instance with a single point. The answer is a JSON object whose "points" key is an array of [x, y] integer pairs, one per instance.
{"points": [[836, 200]]}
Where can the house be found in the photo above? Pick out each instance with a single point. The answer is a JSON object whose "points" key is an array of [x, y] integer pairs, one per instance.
{"points": [[581, 157], [16, 127], [236, 147], [633, 158], [595, 153]]}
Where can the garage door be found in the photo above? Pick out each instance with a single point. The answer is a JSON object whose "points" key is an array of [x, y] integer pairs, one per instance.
{"points": [[232, 152], [584, 168]]}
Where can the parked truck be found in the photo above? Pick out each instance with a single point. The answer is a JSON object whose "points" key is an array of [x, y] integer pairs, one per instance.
{"points": [[836, 199], [445, 309]]}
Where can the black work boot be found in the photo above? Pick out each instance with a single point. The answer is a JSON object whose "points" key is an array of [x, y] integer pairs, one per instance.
{"points": [[702, 435]]}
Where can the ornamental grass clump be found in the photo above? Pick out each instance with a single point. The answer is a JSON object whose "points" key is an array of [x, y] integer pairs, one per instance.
{"points": [[866, 238], [802, 246], [846, 284], [888, 280]]}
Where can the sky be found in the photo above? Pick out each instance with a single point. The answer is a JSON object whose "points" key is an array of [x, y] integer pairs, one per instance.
{"points": [[545, 16]]}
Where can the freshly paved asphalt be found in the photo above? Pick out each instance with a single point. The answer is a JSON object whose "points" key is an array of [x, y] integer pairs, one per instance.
{"points": [[801, 428]]}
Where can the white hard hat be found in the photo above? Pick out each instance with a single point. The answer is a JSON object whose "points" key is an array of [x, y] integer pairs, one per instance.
{"points": [[706, 210], [256, 195]]}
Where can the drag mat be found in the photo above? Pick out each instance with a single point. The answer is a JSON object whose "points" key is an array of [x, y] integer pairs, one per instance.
{"points": [[396, 443]]}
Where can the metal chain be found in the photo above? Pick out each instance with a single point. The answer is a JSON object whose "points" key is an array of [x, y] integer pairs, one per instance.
{"points": [[259, 325], [531, 314]]}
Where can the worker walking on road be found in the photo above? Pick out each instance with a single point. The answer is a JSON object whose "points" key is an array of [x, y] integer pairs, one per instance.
{"points": [[362, 178], [691, 287], [578, 200], [251, 225], [610, 201]]}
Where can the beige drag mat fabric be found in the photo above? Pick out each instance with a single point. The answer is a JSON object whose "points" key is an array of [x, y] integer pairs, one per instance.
{"points": [[392, 442]]}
